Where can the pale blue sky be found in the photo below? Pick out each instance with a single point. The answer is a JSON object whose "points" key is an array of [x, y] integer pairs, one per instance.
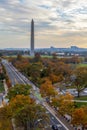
{"points": [[58, 23]]}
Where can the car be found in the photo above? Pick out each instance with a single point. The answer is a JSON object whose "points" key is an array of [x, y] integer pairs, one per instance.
{"points": [[54, 127]]}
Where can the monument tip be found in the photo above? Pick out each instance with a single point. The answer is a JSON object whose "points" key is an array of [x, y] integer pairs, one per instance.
{"points": [[32, 20]]}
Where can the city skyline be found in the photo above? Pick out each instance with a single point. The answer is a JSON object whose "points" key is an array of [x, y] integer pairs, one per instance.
{"points": [[57, 23]]}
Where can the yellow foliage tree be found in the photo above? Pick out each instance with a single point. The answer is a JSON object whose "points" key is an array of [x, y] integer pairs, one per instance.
{"points": [[66, 104], [79, 117], [47, 89]]}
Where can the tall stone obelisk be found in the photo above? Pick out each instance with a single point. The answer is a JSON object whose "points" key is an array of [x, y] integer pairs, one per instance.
{"points": [[32, 39]]}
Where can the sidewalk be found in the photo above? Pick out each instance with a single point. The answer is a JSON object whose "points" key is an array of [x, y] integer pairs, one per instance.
{"points": [[80, 101], [4, 100], [5, 87]]}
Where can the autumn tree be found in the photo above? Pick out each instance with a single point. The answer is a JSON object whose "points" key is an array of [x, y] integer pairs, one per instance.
{"points": [[31, 116], [76, 60], [85, 117], [22, 65], [18, 89], [2, 76], [19, 57], [35, 71], [56, 102], [47, 89], [8, 82], [54, 57], [1, 54], [73, 60], [85, 59], [26, 112], [80, 79], [5, 119], [66, 104], [37, 57], [54, 78], [79, 117]]}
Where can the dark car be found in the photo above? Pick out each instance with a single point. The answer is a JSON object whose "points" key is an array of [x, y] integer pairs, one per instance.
{"points": [[54, 127]]}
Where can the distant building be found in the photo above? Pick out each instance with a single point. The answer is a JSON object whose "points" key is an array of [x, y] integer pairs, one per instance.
{"points": [[32, 39], [74, 47]]}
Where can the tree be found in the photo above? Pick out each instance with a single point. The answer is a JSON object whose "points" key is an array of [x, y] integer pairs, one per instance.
{"points": [[8, 82], [85, 117], [63, 71], [55, 102], [1, 54], [66, 104], [22, 65], [19, 101], [5, 119], [85, 59], [55, 78], [80, 80], [31, 116], [79, 116], [37, 57], [19, 57], [2, 76], [76, 60], [73, 59], [26, 112], [35, 71], [47, 89], [18, 89], [54, 57]]}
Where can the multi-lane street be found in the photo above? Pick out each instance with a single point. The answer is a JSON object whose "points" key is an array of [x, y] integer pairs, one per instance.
{"points": [[15, 76], [18, 78], [1, 98]]}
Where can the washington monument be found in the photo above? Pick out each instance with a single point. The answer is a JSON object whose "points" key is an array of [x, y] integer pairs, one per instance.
{"points": [[32, 39]]}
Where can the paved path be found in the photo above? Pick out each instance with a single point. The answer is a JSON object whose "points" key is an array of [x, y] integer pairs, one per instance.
{"points": [[80, 101], [5, 87]]}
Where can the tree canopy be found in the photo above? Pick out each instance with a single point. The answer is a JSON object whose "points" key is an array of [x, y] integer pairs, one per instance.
{"points": [[18, 89]]}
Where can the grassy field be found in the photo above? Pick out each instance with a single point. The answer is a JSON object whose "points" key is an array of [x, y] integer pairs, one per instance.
{"points": [[46, 56], [82, 98], [1, 87], [80, 104], [82, 65]]}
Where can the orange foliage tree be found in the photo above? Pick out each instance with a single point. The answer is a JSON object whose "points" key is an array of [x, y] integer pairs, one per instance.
{"points": [[79, 117], [47, 89]]}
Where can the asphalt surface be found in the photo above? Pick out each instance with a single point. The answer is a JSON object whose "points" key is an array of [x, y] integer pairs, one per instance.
{"points": [[1, 98], [18, 78]]}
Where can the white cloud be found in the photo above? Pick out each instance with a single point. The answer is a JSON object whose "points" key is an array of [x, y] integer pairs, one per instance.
{"points": [[52, 17]]}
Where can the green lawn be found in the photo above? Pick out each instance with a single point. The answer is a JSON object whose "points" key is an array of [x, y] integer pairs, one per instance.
{"points": [[81, 98], [46, 56], [82, 65], [80, 104], [1, 87]]}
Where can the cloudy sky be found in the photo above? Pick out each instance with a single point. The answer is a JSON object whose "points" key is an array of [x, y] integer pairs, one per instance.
{"points": [[58, 23]]}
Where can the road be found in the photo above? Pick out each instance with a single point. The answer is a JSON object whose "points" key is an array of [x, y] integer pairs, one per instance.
{"points": [[1, 98], [18, 78]]}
